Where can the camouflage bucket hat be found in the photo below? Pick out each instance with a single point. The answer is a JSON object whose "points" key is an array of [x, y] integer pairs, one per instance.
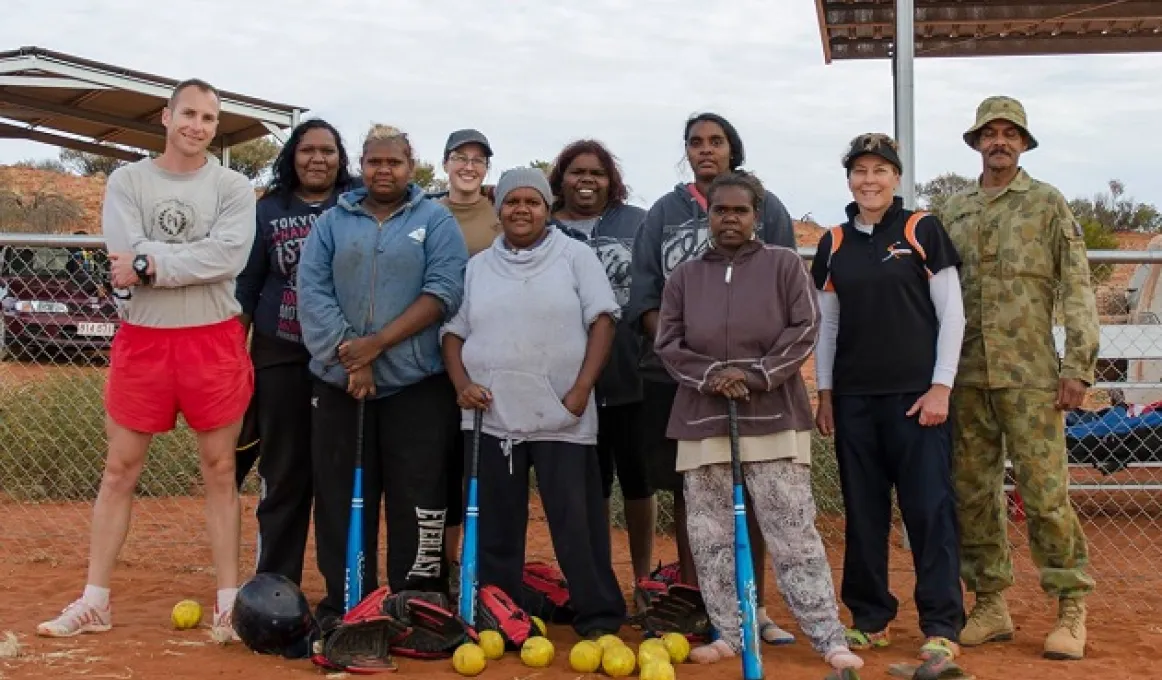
{"points": [[1000, 108]]}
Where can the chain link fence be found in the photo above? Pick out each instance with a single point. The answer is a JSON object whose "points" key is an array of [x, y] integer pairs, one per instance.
{"points": [[59, 317]]}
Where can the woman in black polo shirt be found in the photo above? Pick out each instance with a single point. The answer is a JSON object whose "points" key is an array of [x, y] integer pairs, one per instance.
{"points": [[892, 325]]}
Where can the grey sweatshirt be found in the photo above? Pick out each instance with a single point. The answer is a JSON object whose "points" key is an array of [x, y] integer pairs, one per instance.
{"points": [[525, 322], [197, 226]]}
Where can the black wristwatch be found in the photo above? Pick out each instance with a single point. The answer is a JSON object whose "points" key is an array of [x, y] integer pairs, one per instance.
{"points": [[141, 268]]}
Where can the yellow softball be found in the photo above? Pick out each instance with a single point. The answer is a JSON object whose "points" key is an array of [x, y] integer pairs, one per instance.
{"points": [[186, 614]]}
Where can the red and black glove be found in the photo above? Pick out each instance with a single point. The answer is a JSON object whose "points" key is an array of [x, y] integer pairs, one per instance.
{"points": [[495, 610], [679, 610], [545, 593], [434, 631]]}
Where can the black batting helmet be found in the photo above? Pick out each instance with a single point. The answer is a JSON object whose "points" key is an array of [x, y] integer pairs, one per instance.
{"points": [[271, 616]]}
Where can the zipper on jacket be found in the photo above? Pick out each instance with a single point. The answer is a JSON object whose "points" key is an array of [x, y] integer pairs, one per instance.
{"points": [[726, 329], [596, 225], [374, 262], [375, 259], [592, 236]]}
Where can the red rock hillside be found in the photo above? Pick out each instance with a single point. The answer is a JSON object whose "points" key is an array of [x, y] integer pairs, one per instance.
{"points": [[27, 184]]}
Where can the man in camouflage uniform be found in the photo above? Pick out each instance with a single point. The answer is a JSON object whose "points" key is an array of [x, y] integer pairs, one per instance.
{"points": [[1023, 251]]}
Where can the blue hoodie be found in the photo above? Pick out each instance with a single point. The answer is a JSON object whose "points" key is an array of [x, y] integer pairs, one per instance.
{"points": [[357, 275]]}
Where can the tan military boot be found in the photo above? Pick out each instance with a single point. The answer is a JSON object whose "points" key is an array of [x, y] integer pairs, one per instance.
{"points": [[1067, 639], [988, 622]]}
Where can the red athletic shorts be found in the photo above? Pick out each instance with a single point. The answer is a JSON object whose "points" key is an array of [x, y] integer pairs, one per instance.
{"points": [[203, 372]]}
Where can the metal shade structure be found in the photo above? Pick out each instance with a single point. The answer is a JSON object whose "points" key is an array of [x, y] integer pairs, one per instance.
{"points": [[867, 29], [89, 106]]}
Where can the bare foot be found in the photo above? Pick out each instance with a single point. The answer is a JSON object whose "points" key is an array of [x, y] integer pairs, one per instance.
{"points": [[841, 657], [715, 651]]}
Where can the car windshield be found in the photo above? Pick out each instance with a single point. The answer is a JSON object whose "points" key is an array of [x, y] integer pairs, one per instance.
{"points": [[54, 262]]}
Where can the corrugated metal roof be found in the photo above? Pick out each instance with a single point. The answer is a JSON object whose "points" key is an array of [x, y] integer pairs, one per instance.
{"points": [[864, 29], [78, 103]]}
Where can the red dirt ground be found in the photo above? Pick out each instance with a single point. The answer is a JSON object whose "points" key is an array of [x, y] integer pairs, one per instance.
{"points": [[151, 578]]}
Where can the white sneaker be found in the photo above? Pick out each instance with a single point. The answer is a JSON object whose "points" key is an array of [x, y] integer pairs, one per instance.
{"points": [[222, 631], [79, 617]]}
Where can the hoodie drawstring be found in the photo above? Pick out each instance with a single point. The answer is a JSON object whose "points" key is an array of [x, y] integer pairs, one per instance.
{"points": [[506, 449]]}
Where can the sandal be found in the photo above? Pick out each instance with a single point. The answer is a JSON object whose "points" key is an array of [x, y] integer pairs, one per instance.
{"points": [[859, 640], [939, 646], [772, 634]]}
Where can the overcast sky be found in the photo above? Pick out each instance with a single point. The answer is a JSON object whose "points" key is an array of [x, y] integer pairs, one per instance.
{"points": [[534, 75]]}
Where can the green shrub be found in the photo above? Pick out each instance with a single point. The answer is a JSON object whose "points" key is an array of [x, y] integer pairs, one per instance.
{"points": [[52, 443], [1099, 237], [825, 476]]}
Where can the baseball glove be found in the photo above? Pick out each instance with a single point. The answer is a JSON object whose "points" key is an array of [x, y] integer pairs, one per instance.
{"points": [[360, 647], [545, 593], [495, 610], [668, 574], [679, 610], [434, 631]]}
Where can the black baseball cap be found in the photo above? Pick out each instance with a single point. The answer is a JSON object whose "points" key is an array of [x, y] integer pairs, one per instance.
{"points": [[875, 144], [461, 137]]}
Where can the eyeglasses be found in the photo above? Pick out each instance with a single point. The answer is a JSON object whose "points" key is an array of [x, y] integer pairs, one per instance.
{"points": [[460, 159]]}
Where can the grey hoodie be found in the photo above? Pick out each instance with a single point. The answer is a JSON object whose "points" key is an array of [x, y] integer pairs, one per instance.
{"points": [[677, 229], [525, 323]]}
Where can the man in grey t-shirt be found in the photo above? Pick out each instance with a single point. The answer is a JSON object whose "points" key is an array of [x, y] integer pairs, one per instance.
{"points": [[179, 229]]}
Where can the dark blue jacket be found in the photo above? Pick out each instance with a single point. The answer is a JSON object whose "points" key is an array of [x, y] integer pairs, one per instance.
{"points": [[267, 288], [612, 239]]}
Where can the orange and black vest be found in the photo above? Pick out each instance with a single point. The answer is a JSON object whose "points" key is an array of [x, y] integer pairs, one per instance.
{"points": [[887, 321]]}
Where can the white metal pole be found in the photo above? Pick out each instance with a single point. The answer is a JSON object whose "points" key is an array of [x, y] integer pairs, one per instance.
{"points": [[903, 56]]}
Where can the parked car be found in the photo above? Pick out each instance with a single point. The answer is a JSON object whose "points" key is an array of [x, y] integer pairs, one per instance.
{"points": [[55, 298]]}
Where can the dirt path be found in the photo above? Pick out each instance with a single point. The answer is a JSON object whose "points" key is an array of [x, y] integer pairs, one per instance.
{"points": [[155, 575]]}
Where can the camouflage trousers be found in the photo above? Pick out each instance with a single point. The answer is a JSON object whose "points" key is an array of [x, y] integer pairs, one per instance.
{"points": [[987, 424]]}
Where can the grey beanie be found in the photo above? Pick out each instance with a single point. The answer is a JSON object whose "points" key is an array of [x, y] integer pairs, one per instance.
{"points": [[518, 178]]}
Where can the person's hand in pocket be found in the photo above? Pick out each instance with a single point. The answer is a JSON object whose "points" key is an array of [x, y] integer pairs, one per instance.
{"points": [[576, 401]]}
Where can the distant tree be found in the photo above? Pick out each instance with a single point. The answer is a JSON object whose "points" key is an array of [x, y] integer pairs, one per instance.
{"points": [[254, 158], [89, 164], [425, 176], [934, 193], [46, 164], [544, 166], [1117, 212], [1099, 237]]}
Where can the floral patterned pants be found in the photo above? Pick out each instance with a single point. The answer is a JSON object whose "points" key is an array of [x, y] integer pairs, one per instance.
{"points": [[785, 508]]}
